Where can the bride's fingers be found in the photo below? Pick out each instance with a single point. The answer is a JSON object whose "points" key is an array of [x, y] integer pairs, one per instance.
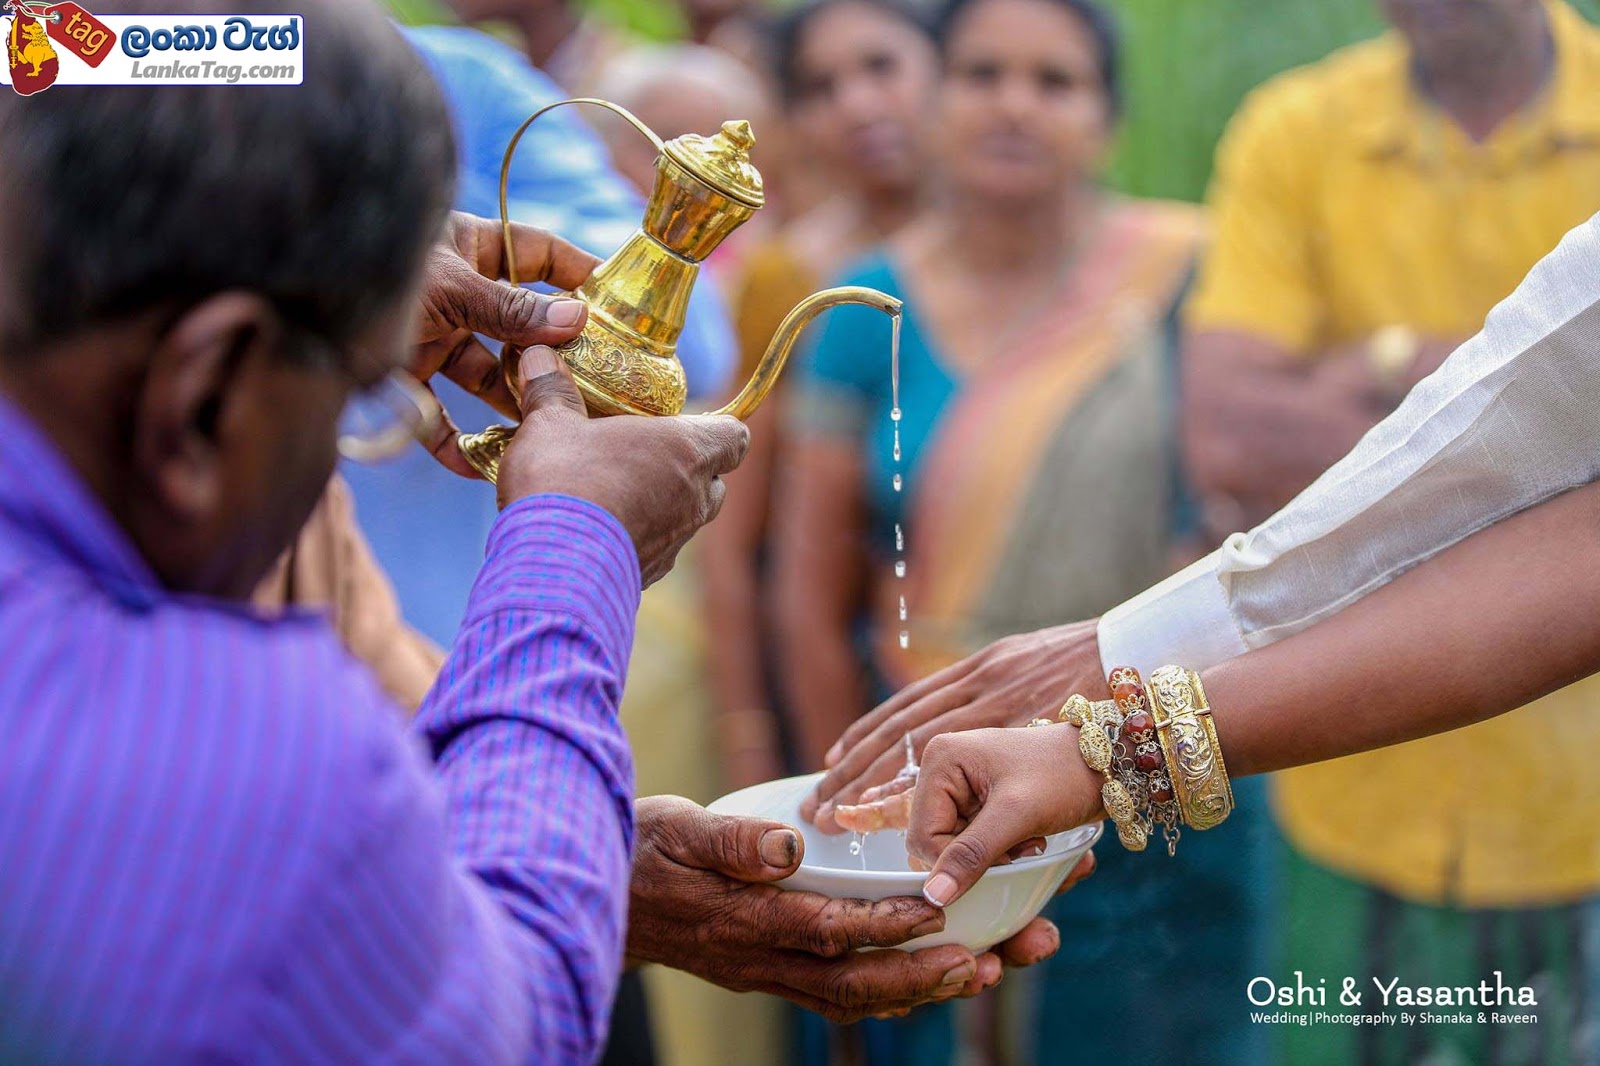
{"points": [[903, 783], [960, 860], [891, 812], [1028, 849]]}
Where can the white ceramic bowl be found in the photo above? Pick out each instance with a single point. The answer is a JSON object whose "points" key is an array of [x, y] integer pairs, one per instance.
{"points": [[1003, 901]]}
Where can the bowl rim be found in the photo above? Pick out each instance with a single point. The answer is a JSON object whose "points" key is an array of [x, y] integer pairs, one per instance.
{"points": [[1080, 837]]}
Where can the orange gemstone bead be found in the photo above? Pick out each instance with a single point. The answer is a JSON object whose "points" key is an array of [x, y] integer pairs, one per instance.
{"points": [[1139, 727]]}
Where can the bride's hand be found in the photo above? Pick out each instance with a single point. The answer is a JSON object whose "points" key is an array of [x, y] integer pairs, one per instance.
{"points": [[983, 795]]}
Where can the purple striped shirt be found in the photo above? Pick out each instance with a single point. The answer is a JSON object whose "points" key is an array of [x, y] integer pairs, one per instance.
{"points": [[218, 843]]}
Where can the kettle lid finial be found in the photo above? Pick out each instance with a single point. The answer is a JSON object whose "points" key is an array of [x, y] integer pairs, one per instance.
{"points": [[722, 161]]}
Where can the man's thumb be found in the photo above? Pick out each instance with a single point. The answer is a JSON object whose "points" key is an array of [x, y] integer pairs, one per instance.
{"points": [[746, 849], [510, 314], [546, 382]]}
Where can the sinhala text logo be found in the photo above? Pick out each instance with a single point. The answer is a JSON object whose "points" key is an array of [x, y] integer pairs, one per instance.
{"points": [[62, 43]]}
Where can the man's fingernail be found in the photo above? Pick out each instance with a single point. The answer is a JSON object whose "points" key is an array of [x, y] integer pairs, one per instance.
{"points": [[834, 753], [779, 847], [960, 975], [564, 312], [537, 361], [932, 925], [940, 890], [825, 811]]}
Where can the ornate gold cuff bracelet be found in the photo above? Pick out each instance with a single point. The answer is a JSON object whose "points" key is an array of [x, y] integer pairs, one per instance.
{"points": [[1189, 740]]}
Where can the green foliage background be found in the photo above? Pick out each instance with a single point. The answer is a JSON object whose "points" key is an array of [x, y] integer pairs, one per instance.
{"points": [[1189, 63]]}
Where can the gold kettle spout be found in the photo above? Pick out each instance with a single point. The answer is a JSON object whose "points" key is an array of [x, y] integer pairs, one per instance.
{"points": [[777, 354]]}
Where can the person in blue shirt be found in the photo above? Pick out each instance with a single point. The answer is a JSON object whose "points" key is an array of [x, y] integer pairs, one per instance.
{"points": [[561, 181]]}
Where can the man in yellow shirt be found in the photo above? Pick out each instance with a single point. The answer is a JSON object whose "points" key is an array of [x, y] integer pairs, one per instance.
{"points": [[1370, 209]]}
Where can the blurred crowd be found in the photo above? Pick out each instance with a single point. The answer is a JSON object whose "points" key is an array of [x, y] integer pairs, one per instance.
{"points": [[1093, 388]]}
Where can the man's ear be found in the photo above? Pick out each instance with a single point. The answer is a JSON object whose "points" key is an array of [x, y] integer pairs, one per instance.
{"points": [[192, 375]]}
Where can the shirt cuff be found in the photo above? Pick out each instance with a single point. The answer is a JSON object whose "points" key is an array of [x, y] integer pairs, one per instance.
{"points": [[561, 554], [1185, 620]]}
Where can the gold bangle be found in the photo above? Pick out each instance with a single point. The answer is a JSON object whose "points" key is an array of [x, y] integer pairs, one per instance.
{"points": [[1189, 740], [1095, 747]]}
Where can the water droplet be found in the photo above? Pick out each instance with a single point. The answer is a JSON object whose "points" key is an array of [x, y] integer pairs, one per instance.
{"points": [[897, 449], [899, 568], [905, 639], [895, 415], [894, 364], [902, 608], [899, 538], [855, 847], [898, 484]]}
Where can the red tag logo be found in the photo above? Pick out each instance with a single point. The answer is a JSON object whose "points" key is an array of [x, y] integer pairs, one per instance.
{"points": [[29, 54], [81, 33]]}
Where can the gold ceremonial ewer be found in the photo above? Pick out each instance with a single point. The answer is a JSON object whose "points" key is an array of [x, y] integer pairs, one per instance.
{"points": [[625, 361]]}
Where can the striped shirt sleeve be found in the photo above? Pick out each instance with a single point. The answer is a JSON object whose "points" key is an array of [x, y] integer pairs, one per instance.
{"points": [[485, 922]]}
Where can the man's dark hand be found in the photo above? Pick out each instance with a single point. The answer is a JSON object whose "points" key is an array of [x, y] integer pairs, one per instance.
{"points": [[463, 296], [1008, 683], [703, 901], [660, 477]]}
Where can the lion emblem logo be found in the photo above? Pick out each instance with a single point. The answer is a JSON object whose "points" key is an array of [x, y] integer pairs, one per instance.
{"points": [[36, 47], [31, 56]]}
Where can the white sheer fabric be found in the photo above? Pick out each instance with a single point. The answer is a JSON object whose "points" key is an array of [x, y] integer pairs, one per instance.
{"points": [[1511, 419]]}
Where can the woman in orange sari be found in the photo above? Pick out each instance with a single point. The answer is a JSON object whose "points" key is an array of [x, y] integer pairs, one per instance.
{"points": [[1037, 460]]}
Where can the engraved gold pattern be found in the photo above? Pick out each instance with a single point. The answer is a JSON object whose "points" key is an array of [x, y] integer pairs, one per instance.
{"points": [[1106, 712], [1075, 710], [1189, 739], [1095, 748], [1134, 836], [1170, 687], [1119, 804], [1197, 773], [650, 383], [483, 450]]}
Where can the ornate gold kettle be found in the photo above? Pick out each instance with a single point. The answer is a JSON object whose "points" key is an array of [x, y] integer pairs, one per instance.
{"points": [[625, 360]]}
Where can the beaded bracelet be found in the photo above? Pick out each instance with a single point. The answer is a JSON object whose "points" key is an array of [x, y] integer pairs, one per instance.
{"points": [[1095, 745], [1158, 752], [1138, 750]]}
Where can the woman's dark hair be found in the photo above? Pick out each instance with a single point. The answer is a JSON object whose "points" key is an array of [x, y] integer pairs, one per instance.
{"points": [[790, 29], [1102, 27]]}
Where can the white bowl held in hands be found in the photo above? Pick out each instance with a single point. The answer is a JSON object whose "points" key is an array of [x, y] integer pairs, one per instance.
{"points": [[1003, 901]]}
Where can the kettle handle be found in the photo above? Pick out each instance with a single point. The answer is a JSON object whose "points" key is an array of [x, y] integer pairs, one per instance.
{"points": [[511, 150]]}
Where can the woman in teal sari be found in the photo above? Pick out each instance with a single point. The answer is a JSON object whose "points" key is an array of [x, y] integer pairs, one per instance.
{"points": [[1036, 401]]}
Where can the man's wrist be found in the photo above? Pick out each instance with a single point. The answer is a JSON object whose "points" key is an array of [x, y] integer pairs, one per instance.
{"points": [[559, 553]]}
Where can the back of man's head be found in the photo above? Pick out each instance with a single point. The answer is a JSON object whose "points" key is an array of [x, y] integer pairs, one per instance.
{"points": [[194, 279]]}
